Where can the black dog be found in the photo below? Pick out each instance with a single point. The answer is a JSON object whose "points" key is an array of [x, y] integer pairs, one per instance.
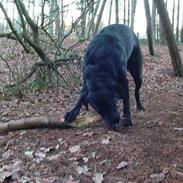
{"points": [[108, 57]]}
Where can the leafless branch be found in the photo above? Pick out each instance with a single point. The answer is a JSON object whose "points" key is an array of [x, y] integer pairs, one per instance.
{"points": [[12, 28]]}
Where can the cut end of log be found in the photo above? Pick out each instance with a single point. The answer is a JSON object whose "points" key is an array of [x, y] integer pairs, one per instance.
{"points": [[84, 121]]}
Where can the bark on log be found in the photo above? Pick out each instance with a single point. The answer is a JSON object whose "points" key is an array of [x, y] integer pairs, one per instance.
{"points": [[46, 122]]}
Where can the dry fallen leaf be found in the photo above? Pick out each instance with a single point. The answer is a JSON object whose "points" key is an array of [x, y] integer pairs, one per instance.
{"points": [[7, 154], [74, 149], [98, 177], [53, 157], [122, 165], [72, 181], [82, 170], [29, 154], [157, 177], [106, 140]]}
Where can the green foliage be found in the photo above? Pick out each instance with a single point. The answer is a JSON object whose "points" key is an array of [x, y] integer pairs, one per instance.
{"points": [[15, 91], [42, 80]]}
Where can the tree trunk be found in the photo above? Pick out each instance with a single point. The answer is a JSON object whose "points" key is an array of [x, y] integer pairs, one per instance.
{"points": [[57, 20], [117, 11], [13, 12], [153, 17], [181, 32], [51, 17], [149, 27], [110, 12], [62, 19], [33, 8], [99, 17], [161, 34], [28, 6], [124, 11], [7, 6], [133, 8], [83, 21], [173, 15], [170, 39], [178, 17], [128, 20], [91, 25]]}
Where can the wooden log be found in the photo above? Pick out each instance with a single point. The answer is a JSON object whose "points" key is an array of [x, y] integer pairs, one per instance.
{"points": [[46, 122]]}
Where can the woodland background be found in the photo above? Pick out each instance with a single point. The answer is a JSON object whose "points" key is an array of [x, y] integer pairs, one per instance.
{"points": [[41, 48]]}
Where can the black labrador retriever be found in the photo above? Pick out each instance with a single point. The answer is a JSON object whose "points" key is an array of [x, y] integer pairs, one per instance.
{"points": [[106, 61]]}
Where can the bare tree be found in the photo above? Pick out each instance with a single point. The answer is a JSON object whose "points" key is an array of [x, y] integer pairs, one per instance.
{"points": [[92, 23], [57, 20], [110, 12], [178, 18], [83, 22], [99, 17], [62, 28], [117, 10], [124, 11], [161, 34], [181, 32], [133, 9], [173, 15], [51, 17], [153, 17], [149, 27], [35, 39], [170, 39], [128, 20]]}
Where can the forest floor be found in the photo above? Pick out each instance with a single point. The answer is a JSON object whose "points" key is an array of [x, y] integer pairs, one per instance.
{"points": [[150, 151]]}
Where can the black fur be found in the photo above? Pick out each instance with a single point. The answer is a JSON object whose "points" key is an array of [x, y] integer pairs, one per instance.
{"points": [[106, 61]]}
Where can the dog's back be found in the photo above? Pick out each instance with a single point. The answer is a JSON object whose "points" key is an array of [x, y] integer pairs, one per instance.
{"points": [[113, 40], [108, 53]]}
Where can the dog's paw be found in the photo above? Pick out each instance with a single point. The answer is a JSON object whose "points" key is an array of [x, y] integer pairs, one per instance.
{"points": [[70, 116], [114, 126], [140, 108], [127, 122]]}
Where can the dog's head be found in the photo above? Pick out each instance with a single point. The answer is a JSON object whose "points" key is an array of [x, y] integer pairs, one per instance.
{"points": [[105, 105]]}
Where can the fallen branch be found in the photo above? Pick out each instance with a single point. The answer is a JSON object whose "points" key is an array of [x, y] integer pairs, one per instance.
{"points": [[46, 122]]}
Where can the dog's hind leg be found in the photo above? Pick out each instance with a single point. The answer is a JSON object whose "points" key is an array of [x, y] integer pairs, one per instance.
{"points": [[135, 69]]}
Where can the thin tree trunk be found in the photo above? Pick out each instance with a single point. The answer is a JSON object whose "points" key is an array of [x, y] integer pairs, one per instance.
{"points": [[13, 12], [133, 8], [57, 20], [181, 33], [153, 17], [124, 10], [110, 12], [178, 17], [149, 27], [170, 39], [28, 6], [117, 10], [173, 15], [62, 19], [50, 27], [7, 26], [83, 22], [128, 20], [91, 25], [161, 34], [33, 8], [99, 17]]}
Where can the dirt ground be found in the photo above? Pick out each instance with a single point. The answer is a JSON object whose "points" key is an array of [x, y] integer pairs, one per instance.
{"points": [[150, 151]]}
